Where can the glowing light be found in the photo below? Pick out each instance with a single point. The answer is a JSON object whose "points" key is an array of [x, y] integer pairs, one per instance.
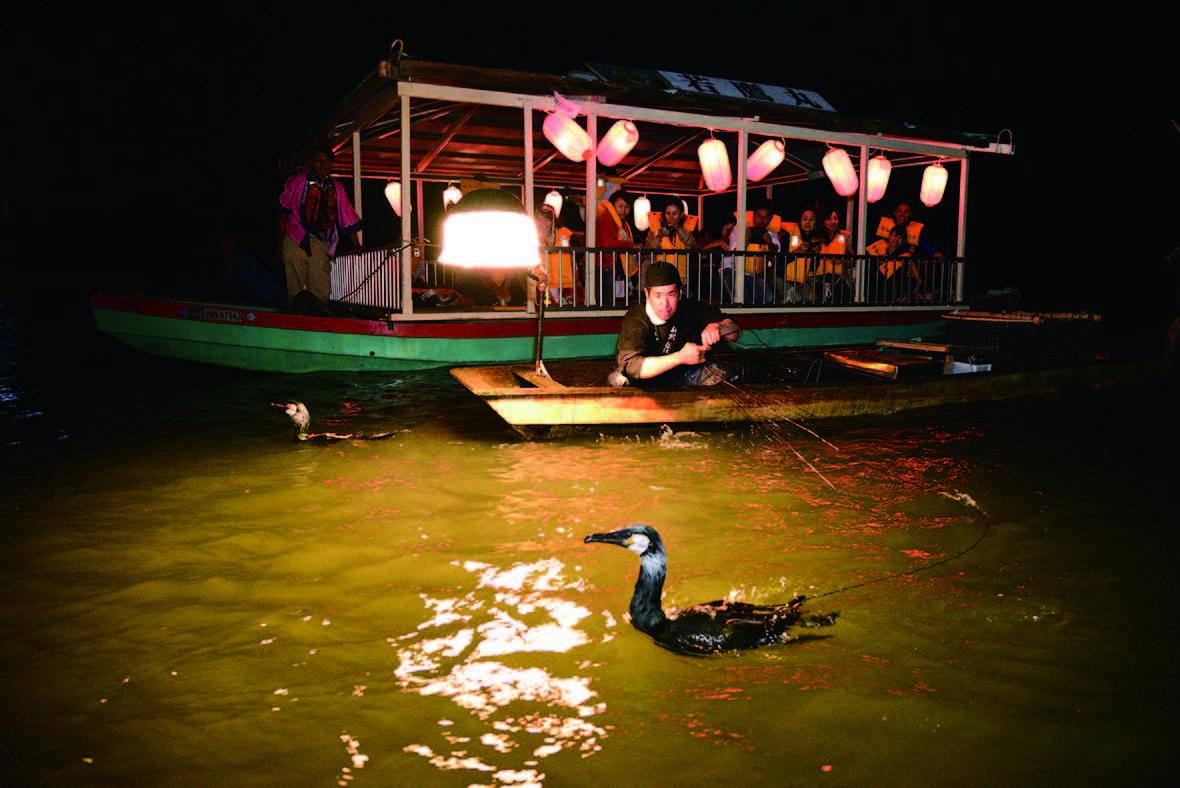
{"points": [[488, 228], [933, 184], [452, 195], [841, 172], [879, 169], [763, 161], [393, 193], [715, 165], [567, 136], [617, 143], [641, 209], [553, 200]]}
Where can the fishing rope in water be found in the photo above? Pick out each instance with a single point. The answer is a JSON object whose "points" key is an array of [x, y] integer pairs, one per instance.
{"points": [[960, 497]]}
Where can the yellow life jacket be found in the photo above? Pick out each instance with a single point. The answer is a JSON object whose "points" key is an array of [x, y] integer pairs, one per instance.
{"points": [[559, 266], [756, 264], [630, 262], [679, 260], [913, 230], [889, 267], [795, 270], [838, 245]]}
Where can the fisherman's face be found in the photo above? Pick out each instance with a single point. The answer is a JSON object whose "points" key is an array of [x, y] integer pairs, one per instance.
{"points": [[622, 208], [321, 164], [664, 300], [832, 223], [901, 216], [761, 217], [672, 216], [807, 221]]}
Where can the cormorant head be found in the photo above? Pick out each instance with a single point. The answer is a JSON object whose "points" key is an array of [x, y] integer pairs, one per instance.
{"points": [[638, 538], [298, 413]]}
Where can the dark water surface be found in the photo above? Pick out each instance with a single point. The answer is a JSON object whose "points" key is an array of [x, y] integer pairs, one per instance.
{"points": [[192, 597]]}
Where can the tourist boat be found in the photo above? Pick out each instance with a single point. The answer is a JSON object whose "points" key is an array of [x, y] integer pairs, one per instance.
{"points": [[434, 127]]}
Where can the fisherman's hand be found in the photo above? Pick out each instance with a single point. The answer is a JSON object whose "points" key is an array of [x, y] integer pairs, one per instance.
{"points": [[692, 353], [711, 334]]}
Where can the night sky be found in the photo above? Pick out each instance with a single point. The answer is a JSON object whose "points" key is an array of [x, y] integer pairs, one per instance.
{"points": [[134, 136]]}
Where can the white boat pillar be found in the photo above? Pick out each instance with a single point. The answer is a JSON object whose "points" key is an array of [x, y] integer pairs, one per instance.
{"points": [[862, 226], [529, 200], [357, 201], [592, 212], [739, 229], [961, 244], [406, 261]]}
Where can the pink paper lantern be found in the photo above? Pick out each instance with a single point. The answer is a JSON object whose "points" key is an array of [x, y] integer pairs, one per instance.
{"points": [[879, 169], [841, 172], [933, 184], [617, 143], [715, 165], [567, 136], [763, 161]]}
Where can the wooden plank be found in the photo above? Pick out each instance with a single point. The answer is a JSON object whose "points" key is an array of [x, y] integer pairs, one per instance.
{"points": [[929, 347], [538, 380]]}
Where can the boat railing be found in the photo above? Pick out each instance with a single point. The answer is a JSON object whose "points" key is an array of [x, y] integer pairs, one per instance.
{"points": [[580, 278]]}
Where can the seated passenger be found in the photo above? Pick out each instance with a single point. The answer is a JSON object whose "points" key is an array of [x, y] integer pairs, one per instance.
{"points": [[896, 277], [903, 219], [762, 235], [613, 231], [672, 230], [663, 339], [559, 259], [829, 271], [803, 240]]}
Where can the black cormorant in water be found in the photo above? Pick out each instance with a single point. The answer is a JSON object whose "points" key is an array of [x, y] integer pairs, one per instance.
{"points": [[302, 419], [710, 628]]}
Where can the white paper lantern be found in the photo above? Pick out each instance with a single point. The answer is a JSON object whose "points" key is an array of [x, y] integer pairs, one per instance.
{"points": [[553, 200], [452, 195], [715, 165], [393, 193], [763, 161], [933, 184], [879, 169], [641, 209]]}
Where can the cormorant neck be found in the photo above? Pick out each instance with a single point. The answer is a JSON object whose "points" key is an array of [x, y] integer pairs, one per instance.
{"points": [[646, 613]]}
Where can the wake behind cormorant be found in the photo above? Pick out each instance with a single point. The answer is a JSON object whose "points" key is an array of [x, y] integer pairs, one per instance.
{"points": [[709, 628], [301, 419]]}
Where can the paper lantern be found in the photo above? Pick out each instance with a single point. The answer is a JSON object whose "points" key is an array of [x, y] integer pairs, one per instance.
{"points": [[489, 228], [879, 169], [553, 200], [715, 165], [641, 209], [933, 184], [393, 193], [841, 172], [763, 161], [452, 195], [567, 136], [617, 143]]}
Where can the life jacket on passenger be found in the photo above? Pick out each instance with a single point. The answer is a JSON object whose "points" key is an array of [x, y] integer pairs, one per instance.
{"points": [[654, 220], [894, 264], [756, 264], [913, 231], [559, 265], [798, 269], [613, 232], [837, 246]]}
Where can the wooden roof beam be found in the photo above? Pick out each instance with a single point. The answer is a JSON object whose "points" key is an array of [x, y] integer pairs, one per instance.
{"points": [[660, 155], [448, 135]]}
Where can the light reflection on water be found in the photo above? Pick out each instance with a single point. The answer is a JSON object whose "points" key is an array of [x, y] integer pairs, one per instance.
{"points": [[192, 595]]}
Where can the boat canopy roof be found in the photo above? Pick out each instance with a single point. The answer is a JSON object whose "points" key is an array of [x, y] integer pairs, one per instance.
{"points": [[468, 124]]}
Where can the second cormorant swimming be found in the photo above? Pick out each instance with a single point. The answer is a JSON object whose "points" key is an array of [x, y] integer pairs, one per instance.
{"points": [[710, 628], [301, 418]]}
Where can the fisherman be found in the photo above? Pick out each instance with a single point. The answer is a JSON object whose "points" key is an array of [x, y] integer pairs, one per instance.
{"points": [[663, 339]]}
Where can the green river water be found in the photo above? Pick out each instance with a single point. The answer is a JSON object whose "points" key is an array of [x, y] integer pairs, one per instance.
{"points": [[191, 597]]}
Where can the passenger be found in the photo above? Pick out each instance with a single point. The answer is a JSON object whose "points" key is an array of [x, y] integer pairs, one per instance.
{"points": [[804, 240], [613, 231], [663, 339], [896, 277], [559, 261], [762, 235], [672, 230], [315, 212], [829, 271], [903, 218]]}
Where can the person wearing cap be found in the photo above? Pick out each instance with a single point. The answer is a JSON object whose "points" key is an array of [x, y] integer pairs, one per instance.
{"points": [[663, 339]]}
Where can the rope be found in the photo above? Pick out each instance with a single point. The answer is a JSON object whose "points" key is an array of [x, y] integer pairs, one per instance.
{"points": [[375, 271]]}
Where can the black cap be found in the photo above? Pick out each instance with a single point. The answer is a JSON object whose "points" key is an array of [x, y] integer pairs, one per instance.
{"points": [[661, 273]]}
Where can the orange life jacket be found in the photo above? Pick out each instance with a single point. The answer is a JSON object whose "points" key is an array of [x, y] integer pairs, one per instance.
{"points": [[756, 264], [913, 230], [559, 265], [666, 242], [838, 245], [630, 262], [889, 267]]}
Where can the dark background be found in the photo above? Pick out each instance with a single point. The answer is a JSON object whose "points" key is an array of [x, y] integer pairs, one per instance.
{"points": [[133, 136]]}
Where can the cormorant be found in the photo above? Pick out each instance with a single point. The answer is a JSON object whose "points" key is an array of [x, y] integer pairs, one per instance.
{"points": [[301, 419], [710, 628]]}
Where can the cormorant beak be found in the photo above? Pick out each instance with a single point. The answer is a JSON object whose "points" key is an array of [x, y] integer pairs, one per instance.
{"points": [[621, 538]]}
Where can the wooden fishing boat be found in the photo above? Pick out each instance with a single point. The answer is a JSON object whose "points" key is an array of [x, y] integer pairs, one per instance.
{"points": [[853, 382], [431, 125]]}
